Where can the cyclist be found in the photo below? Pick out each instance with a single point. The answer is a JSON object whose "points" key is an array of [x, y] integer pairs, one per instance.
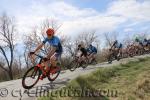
{"points": [[138, 41], [54, 54], [117, 46], [92, 51], [148, 41], [145, 42], [83, 55]]}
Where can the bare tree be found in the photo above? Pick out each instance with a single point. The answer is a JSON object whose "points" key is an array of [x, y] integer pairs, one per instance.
{"points": [[87, 38], [7, 31], [110, 38], [69, 46], [26, 58]]}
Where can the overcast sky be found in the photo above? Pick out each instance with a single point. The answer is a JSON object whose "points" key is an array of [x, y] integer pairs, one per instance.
{"points": [[124, 16]]}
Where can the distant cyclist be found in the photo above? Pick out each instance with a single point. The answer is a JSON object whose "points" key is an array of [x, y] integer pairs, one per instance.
{"points": [[117, 46], [83, 51], [92, 51], [145, 42], [138, 42]]}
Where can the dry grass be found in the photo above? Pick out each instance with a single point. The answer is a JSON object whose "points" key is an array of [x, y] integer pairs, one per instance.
{"points": [[131, 81]]}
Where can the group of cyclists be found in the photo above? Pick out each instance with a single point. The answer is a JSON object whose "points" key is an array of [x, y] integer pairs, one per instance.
{"points": [[56, 50], [144, 43], [134, 47], [87, 53]]}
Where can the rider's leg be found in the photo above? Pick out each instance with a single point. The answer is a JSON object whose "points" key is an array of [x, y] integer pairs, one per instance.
{"points": [[120, 51], [46, 68], [83, 58], [80, 58], [89, 57], [116, 51], [46, 63], [54, 60], [94, 55]]}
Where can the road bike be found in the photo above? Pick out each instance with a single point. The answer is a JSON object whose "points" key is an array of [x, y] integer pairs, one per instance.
{"points": [[32, 76], [76, 63]]}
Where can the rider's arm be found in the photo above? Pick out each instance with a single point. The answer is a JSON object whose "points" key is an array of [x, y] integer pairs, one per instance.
{"points": [[52, 51], [111, 47], [113, 44], [39, 47]]}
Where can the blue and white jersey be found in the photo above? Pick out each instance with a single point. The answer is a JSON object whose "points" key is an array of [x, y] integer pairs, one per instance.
{"points": [[55, 42], [92, 49], [118, 45]]}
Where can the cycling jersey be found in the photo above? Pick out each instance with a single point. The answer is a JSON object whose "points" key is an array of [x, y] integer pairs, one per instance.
{"points": [[84, 51], [92, 49], [145, 42], [55, 42], [117, 45], [89, 50], [149, 41]]}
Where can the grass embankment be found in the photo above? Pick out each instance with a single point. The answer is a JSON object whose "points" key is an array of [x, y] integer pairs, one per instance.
{"points": [[129, 81]]}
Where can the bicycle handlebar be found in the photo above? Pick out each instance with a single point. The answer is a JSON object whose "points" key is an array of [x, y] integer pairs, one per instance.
{"points": [[39, 55]]}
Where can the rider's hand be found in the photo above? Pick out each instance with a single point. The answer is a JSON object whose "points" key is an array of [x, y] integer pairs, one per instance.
{"points": [[31, 53], [45, 59]]}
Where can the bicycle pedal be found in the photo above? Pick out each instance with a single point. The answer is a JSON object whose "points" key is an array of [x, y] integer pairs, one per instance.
{"points": [[42, 77]]}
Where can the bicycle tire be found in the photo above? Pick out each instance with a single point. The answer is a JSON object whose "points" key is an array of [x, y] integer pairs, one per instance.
{"points": [[25, 76]]}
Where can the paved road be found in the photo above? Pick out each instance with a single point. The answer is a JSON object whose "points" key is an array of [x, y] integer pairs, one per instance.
{"points": [[12, 90]]}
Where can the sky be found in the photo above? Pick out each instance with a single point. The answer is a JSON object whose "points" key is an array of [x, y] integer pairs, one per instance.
{"points": [[77, 16]]}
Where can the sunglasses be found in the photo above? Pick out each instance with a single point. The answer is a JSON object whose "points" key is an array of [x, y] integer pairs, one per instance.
{"points": [[49, 34]]}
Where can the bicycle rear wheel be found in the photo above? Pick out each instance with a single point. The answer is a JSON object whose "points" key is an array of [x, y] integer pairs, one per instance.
{"points": [[31, 77], [110, 58], [53, 73], [94, 61], [84, 64]]}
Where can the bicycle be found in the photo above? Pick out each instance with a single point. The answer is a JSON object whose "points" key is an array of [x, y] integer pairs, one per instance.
{"points": [[75, 63], [113, 55], [36, 71], [93, 61]]}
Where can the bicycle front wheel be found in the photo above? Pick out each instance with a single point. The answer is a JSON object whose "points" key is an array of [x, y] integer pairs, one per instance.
{"points": [[31, 77], [73, 65], [110, 58]]}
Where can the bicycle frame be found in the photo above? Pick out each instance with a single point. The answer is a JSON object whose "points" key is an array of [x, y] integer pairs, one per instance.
{"points": [[39, 64]]}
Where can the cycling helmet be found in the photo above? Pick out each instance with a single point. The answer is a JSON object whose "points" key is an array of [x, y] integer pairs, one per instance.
{"points": [[137, 39], [90, 45], [50, 32], [116, 41], [79, 45], [145, 39]]}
